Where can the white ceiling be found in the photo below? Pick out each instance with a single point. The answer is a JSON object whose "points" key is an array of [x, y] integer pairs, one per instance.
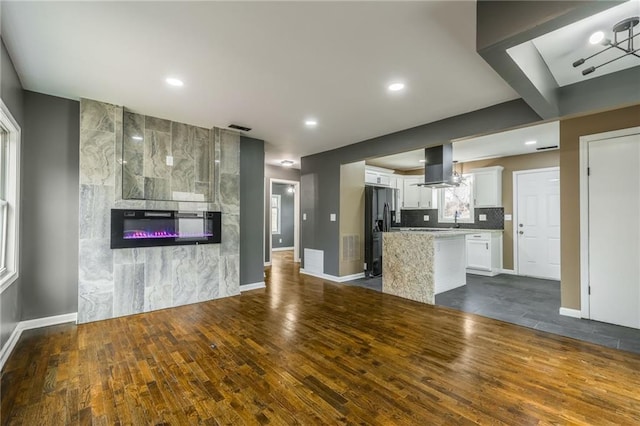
{"points": [[504, 144], [266, 65], [561, 48]]}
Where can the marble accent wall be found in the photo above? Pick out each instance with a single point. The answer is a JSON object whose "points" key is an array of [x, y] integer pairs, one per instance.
{"points": [[148, 142], [121, 282]]}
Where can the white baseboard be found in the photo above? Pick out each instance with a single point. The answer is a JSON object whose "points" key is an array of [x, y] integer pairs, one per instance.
{"points": [[568, 312], [508, 271], [483, 273], [31, 324], [282, 249], [267, 264], [333, 277], [253, 286]]}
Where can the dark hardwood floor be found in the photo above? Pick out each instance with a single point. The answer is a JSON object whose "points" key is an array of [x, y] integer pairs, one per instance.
{"points": [[307, 351]]}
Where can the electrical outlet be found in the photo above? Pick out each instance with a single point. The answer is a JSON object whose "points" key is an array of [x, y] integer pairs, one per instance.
{"points": [[279, 240], [482, 217], [425, 218], [169, 160], [304, 216], [332, 217], [507, 217]]}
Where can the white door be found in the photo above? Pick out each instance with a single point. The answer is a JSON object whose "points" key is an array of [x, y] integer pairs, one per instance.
{"points": [[537, 230], [614, 230]]}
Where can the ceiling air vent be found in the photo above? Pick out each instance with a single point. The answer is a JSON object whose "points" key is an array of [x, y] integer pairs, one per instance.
{"points": [[544, 148], [238, 127]]}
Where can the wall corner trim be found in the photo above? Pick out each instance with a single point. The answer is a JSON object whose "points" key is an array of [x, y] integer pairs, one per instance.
{"points": [[568, 312], [342, 279], [31, 324], [252, 286]]}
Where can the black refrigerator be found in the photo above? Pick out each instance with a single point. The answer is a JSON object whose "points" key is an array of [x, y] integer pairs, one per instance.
{"points": [[379, 210]]}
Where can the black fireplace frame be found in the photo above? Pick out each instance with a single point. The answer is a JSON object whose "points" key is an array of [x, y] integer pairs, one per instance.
{"points": [[118, 217]]}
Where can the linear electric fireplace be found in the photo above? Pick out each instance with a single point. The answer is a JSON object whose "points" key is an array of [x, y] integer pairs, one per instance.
{"points": [[149, 228]]}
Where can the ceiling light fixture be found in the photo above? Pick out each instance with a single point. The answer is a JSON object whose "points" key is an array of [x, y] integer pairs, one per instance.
{"points": [[596, 37], [395, 87], [136, 138], [311, 122], [287, 163], [625, 45], [174, 82], [530, 142]]}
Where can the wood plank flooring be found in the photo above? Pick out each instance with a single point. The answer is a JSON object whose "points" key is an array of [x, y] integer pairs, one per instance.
{"points": [[307, 351]]}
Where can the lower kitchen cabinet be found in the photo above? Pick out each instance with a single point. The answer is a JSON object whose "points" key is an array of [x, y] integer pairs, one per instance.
{"points": [[484, 253]]}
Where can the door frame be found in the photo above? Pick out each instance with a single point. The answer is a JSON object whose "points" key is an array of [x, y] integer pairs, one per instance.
{"points": [[584, 210], [514, 180], [296, 217]]}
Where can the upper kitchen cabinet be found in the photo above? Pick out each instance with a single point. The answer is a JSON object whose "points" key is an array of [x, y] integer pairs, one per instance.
{"points": [[487, 186], [377, 177], [418, 197]]}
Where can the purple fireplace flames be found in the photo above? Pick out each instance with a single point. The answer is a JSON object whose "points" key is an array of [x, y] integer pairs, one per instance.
{"points": [[128, 235]]}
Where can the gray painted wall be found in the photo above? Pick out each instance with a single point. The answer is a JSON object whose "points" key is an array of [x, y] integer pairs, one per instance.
{"points": [[285, 237], [251, 205], [50, 206], [274, 172], [11, 94], [320, 173]]}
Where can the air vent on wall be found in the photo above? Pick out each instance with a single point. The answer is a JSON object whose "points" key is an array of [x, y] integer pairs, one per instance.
{"points": [[544, 148], [238, 127]]}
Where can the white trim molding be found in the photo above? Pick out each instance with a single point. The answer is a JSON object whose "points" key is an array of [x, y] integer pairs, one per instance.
{"points": [[507, 272], [253, 286], [568, 312], [333, 277], [31, 324], [282, 249], [267, 264]]}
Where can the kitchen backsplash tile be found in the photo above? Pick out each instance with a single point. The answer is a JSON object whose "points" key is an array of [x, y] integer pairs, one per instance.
{"points": [[415, 219]]}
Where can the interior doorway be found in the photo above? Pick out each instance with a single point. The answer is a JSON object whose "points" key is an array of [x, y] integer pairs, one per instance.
{"points": [[610, 230], [537, 223], [284, 217]]}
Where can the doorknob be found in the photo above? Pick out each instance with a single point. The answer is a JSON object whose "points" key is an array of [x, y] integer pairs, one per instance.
{"points": [[521, 232], [520, 225]]}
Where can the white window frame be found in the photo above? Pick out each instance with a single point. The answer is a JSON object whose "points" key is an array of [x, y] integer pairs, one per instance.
{"points": [[11, 206], [441, 204], [276, 231]]}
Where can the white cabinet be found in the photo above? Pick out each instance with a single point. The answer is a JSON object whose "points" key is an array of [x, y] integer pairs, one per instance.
{"points": [[484, 253], [411, 193], [487, 186], [418, 197], [377, 177]]}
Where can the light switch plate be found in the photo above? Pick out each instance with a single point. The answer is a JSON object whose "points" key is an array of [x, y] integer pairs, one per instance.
{"points": [[507, 217], [169, 160], [332, 217], [482, 217], [425, 218], [304, 216]]}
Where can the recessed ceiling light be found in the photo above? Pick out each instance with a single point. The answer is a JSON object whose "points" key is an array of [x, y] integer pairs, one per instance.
{"points": [[395, 87], [596, 37], [311, 122], [137, 138], [174, 82], [530, 142], [287, 163], [422, 161]]}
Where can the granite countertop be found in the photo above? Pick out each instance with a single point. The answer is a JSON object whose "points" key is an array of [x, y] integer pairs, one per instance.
{"points": [[445, 230]]}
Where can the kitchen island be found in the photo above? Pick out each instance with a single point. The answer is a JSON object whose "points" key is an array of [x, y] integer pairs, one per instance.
{"points": [[418, 264]]}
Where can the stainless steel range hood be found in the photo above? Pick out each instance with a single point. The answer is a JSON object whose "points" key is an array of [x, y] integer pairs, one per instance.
{"points": [[438, 167]]}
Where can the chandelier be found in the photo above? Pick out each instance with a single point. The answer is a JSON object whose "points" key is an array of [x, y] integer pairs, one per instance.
{"points": [[625, 45]]}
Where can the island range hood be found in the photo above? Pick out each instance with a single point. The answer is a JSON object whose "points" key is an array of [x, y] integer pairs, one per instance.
{"points": [[438, 167]]}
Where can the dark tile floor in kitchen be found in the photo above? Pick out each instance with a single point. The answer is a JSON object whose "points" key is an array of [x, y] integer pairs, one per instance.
{"points": [[529, 302]]}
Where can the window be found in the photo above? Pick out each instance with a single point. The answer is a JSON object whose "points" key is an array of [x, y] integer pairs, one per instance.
{"points": [[9, 190], [457, 201], [275, 214]]}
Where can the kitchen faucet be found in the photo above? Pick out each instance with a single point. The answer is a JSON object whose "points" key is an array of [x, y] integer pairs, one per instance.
{"points": [[455, 219]]}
